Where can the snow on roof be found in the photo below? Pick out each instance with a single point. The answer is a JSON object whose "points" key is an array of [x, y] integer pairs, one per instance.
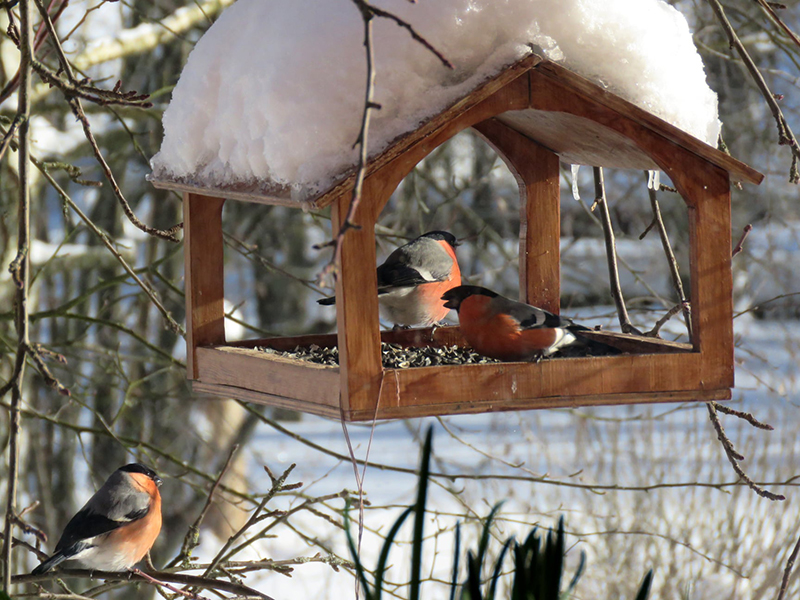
{"points": [[274, 91]]}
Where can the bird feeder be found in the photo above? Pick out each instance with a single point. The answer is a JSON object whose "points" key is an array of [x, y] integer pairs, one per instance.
{"points": [[534, 113]]}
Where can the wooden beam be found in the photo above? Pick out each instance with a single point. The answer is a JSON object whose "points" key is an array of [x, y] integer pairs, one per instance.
{"points": [[561, 401], [204, 259], [708, 194], [537, 172], [357, 321], [269, 374]]}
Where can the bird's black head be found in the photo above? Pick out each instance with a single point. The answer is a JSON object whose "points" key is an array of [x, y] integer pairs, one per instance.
{"points": [[455, 296], [140, 468], [442, 235]]}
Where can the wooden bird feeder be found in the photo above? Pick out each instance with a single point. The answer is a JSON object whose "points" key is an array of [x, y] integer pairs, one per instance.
{"points": [[534, 114]]}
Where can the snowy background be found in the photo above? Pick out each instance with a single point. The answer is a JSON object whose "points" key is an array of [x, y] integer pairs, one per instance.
{"points": [[680, 511]]}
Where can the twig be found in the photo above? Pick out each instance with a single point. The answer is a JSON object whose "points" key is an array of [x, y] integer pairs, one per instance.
{"points": [[787, 572], [277, 486], [9, 135], [768, 7], [663, 320], [671, 260], [611, 252], [188, 580], [174, 325], [746, 416], [734, 456], [330, 272], [23, 281], [192, 539], [73, 90], [785, 135], [544, 479], [171, 588], [745, 232]]}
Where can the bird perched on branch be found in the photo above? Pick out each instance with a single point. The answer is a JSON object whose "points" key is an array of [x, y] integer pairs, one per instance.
{"points": [[413, 278], [501, 328], [116, 527]]}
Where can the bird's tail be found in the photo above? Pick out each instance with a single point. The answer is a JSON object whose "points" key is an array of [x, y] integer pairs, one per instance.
{"points": [[591, 347], [327, 301], [49, 564]]}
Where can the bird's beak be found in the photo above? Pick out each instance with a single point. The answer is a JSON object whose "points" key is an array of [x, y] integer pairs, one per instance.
{"points": [[451, 302], [158, 481]]}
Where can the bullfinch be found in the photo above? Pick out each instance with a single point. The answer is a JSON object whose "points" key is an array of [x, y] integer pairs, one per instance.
{"points": [[116, 527], [413, 278], [501, 328]]}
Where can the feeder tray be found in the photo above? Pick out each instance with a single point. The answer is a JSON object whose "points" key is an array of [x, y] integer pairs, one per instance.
{"points": [[534, 114]]}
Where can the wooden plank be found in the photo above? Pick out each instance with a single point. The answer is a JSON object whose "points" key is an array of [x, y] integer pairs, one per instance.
{"points": [[708, 194], [578, 140], [257, 193], [537, 172], [232, 391], [457, 406], [637, 344], [357, 319], [269, 374], [204, 276], [507, 91], [568, 377], [628, 112]]}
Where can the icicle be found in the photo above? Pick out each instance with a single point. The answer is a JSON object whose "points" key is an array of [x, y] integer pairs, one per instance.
{"points": [[575, 192], [653, 180]]}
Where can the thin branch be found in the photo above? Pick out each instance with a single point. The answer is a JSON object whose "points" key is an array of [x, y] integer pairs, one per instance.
{"points": [[277, 486], [192, 539], [745, 232], [734, 457], [663, 320], [746, 416], [22, 277], [544, 479], [329, 274], [188, 580], [611, 252], [9, 135], [671, 260], [786, 136], [787, 572]]}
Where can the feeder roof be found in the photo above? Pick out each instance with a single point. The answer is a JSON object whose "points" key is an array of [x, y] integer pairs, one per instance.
{"points": [[604, 139]]}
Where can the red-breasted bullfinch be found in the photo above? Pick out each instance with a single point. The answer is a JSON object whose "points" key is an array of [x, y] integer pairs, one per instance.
{"points": [[501, 328], [116, 527], [413, 278]]}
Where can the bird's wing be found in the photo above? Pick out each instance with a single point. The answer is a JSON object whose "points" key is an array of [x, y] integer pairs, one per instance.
{"points": [[424, 261], [85, 525], [116, 503], [529, 317]]}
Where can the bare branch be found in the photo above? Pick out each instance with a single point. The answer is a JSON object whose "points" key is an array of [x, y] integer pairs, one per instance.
{"points": [[787, 572], [674, 271], [22, 279], [611, 252], [785, 134], [745, 232], [734, 457]]}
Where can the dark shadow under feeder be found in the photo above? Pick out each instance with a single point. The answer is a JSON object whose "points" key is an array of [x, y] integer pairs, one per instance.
{"points": [[534, 114]]}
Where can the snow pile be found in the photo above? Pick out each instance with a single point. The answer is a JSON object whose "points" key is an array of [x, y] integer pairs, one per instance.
{"points": [[274, 90]]}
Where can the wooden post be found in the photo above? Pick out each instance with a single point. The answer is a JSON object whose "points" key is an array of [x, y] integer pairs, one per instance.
{"points": [[357, 320], [536, 170], [204, 275], [707, 194]]}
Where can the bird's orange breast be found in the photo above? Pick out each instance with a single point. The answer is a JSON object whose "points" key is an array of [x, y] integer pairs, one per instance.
{"points": [[499, 335]]}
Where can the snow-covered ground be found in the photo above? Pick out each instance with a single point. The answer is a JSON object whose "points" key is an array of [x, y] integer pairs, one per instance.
{"points": [[710, 542]]}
